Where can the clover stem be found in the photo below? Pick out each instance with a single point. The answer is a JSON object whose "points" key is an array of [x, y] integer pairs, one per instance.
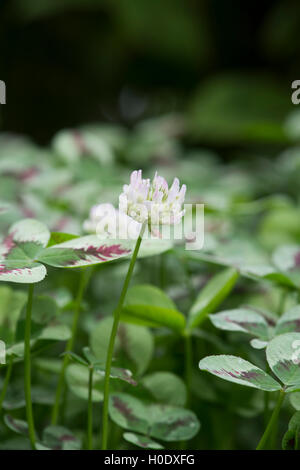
{"points": [[6, 380], [90, 411], [27, 368], [110, 350], [272, 423], [83, 281]]}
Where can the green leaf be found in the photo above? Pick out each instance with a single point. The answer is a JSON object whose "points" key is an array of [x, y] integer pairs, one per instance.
{"points": [[293, 433], [154, 247], [117, 373], [57, 332], [60, 438], [295, 400], [212, 295], [168, 423], [237, 370], [151, 306], [129, 412], [285, 257], [77, 378], [289, 322], [16, 425], [85, 251], [76, 358], [15, 398], [19, 249], [11, 305], [3, 208], [141, 441], [241, 319], [133, 346], [166, 387], [60, 237], [283, 356]]}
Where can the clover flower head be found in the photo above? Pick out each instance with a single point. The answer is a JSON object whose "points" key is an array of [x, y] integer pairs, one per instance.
{"points": [[153, 202], [108, 222]]}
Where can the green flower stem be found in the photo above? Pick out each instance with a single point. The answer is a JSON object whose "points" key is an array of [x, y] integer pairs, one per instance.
{"points": [[27, 368], [272, 423], [6, 380], [90, 411], [110, 350], [84, 278]]}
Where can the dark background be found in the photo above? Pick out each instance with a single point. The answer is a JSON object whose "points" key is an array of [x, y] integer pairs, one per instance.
{"points": [[69, 62]]}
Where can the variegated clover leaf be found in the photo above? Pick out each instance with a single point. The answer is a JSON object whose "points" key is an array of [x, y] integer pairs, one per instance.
{"points": [[262, 325], [160, 421], [237, 370], [283, 356], [25, 249]]}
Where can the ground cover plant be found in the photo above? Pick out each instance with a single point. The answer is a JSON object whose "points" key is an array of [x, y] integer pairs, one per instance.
{"points": [[106, 341]]}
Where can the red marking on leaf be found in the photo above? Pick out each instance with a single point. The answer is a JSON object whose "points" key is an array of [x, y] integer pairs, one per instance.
{"points": [[295, 324], [124, 409], [67, 437], [241, 323], [4, 270], [102, 253], [246, 375]]}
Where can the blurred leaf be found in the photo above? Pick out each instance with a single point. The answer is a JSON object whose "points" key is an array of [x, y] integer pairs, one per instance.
{"points": [[289, 322], [241, 320], [60, 438], [168, 423], [16, 425], [141, 441], [77, 377], [166, 387], [212, 295], [132, 342], [150, 306]]}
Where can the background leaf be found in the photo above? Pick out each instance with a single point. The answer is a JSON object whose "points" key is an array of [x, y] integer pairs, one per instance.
{"points": [[151, 306], [166, 387], [241, 320], [212, 295], [133, 347]]}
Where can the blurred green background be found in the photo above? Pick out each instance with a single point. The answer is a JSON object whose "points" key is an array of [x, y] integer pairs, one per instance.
{"points": [[225, 65]]}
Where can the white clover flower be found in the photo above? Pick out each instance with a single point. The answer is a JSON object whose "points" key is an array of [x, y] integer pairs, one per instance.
{"points": [[108, 222], [154, 201]]}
